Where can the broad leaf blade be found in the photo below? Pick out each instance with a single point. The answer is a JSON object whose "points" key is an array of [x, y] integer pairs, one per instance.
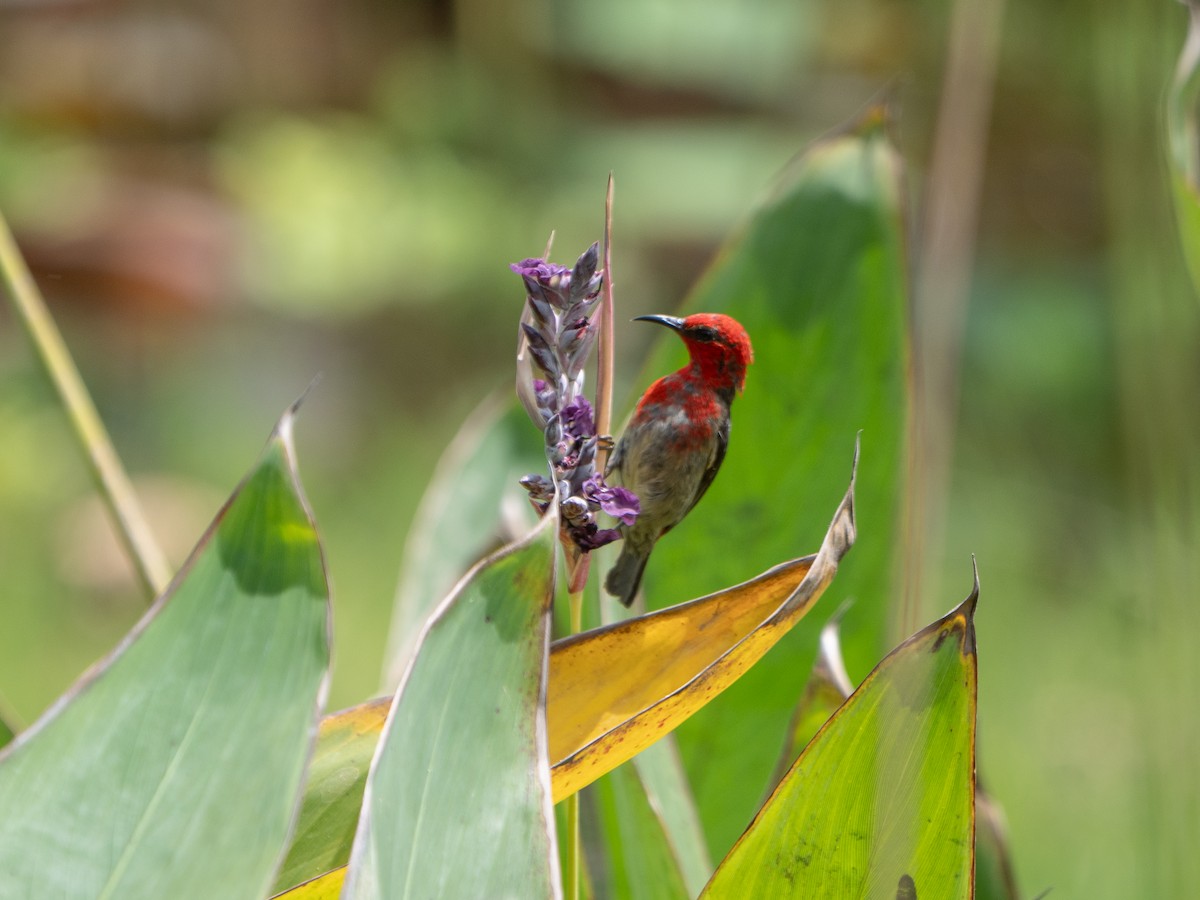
{"points": [[615, 691], [172, 768], [606, 699], [818, 278], [457, 802], [826, 690], [883, 798], [348, 739], [461, 517], [635, 860], [661, 773], [324, 887], [333, 792]]}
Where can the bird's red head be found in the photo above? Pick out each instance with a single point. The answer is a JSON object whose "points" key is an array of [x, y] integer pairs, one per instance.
{"points": [[718, 345]]}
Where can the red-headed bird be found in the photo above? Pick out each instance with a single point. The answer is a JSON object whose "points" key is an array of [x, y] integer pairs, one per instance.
{"points": [[676, 440]]}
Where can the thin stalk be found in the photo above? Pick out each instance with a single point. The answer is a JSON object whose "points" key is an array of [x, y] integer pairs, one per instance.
{"points": [[107, 471], [943, 283], [604, 350], [574, 867], [579, 564]]}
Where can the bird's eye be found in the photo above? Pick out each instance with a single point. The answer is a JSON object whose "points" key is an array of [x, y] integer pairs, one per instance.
{"points": [[702, 333]]}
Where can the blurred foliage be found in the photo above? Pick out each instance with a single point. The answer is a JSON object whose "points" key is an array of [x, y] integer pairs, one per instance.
{"points": [[222, 200]]}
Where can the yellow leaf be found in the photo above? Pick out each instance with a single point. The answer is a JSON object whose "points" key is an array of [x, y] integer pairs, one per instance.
{"points": [[323, 887], [615, 691]]}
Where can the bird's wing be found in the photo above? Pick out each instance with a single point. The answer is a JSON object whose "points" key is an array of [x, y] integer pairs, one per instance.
{"points": [[722, 444]]}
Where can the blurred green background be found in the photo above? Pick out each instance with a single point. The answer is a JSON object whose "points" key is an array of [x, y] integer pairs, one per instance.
{"points": [[222, 200]]}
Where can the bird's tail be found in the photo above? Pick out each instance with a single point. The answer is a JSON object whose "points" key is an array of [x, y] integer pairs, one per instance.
{"points": [[626, 574]]}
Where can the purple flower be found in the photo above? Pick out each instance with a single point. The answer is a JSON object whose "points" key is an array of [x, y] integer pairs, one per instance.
{"points": [[539, 270], [557, 335], [592, 537], [620, 503], [578, 418]]}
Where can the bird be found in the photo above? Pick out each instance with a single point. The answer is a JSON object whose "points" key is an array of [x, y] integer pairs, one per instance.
{"points": [[676, 440]]}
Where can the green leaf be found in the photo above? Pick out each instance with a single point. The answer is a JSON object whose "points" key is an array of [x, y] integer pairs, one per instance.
{"points": [[333, 791], [994, 875], [648, 842], [827, 688], [661, 772], [882, 801], [818, 278], [172, 768], [634, 859], [461, 519], [457, 803]]}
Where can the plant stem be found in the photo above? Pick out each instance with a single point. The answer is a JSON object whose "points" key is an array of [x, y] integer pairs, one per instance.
{"points": [[574, 863], [107, 471], [604, 351], [578, 564]]}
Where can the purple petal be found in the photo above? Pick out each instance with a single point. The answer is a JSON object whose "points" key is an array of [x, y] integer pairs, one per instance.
{"points": [[578, 418], [620, 503], [539, 270], [623, 505], [592, 538]]}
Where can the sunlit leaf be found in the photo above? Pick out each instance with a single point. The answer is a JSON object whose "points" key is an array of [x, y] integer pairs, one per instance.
{"points": [[333, 792], [599, 712], [457, 802], [324, 887], [635, 860], [827, 688], [615, 691], [818, 277], [881, 803], [461, 517], [172, 768], [662, 776], [352, 735]]}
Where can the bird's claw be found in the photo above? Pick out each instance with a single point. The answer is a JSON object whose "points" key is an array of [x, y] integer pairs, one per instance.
{"points": [[605, 442]]}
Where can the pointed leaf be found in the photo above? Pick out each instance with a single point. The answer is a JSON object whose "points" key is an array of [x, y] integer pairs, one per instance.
{"points": [[661, 772], [623, 687], [323, 887], [827, 688], [457, 802], [818, 277], [460, 519], [599, 711], [333, 792], [882, 801], [348, 739], [635, 860], [172, 768]]}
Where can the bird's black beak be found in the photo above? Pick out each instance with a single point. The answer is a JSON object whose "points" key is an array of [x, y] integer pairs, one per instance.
{"points": [[673, 322]]}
